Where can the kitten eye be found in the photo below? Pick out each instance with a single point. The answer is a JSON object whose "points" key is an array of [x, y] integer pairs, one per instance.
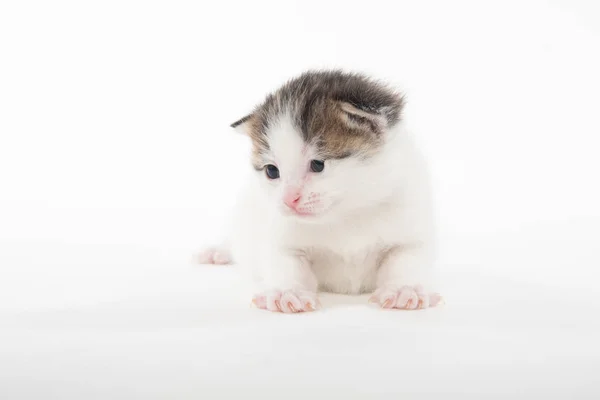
{"points": [[272, 171], [317, 165]]}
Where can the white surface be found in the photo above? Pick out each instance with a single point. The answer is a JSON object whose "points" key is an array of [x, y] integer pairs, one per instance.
{"points": [[142, 323], [116, 164]]}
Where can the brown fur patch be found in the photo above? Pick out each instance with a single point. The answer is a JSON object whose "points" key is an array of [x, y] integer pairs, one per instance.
{"points": [[342, 114]]}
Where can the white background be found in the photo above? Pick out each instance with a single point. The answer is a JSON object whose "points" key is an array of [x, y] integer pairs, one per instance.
{"points": [[117, 162]]}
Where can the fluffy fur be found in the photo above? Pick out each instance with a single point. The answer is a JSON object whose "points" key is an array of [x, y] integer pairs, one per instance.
{"points": [[363, 224]]}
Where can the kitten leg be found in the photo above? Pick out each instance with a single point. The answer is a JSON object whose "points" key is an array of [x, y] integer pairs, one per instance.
{"points": [[289, 285], [401, 277]]}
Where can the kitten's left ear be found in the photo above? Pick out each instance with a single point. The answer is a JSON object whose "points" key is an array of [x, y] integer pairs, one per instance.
{"points": [[243, 125], [355, 117]]}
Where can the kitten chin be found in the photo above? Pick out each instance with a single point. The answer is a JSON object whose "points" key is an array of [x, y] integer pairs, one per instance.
{"points": [[341, 198]]}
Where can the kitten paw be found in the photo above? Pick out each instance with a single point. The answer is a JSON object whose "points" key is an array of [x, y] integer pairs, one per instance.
{"points": [[405, 298], [214, 255], [286, 301]]}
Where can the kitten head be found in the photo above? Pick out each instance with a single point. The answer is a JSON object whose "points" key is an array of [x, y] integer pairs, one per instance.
{"points": [[319, 143]]}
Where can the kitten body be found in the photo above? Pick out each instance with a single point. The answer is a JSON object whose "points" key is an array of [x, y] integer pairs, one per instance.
{"points": [[361, 223]]}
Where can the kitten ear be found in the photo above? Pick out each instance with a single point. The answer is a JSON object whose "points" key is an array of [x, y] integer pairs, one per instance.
{"points": [[242, 125], [358, 118]]}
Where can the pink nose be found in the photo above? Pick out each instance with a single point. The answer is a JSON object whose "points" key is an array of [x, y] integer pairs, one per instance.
{"points": [[291, 199]]}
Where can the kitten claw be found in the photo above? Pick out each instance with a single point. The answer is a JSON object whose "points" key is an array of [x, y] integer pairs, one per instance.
{"points": [[437, 300], [259, 301]]}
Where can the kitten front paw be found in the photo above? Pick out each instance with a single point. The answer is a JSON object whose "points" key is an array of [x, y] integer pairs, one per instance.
{"points": [[286, 301], [214, 255], [405, 298]]}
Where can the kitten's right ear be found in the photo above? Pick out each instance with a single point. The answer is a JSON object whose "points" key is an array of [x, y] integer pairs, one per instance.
{"points": [[372, 120], [243, 125]]}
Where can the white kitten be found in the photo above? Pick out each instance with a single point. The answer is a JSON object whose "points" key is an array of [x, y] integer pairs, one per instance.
{"points": [[339, 201]]}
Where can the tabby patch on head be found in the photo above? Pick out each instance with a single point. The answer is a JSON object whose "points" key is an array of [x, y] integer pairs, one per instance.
{"points": [[341, 114]]}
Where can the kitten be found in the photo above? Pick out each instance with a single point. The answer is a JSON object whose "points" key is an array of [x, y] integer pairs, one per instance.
{"points": [[339, 201]]}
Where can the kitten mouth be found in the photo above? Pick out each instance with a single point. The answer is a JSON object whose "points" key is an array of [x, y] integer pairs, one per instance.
{"points": [[304, 213], [309, 211], [299, 213]]}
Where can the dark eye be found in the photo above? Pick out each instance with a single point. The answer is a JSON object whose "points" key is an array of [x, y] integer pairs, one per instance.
{"points": [[272, 171], [317, 166]]}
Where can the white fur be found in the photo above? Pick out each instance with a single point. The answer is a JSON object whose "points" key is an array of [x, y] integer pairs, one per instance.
{"points": [[370, 225], [363, 209]]}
